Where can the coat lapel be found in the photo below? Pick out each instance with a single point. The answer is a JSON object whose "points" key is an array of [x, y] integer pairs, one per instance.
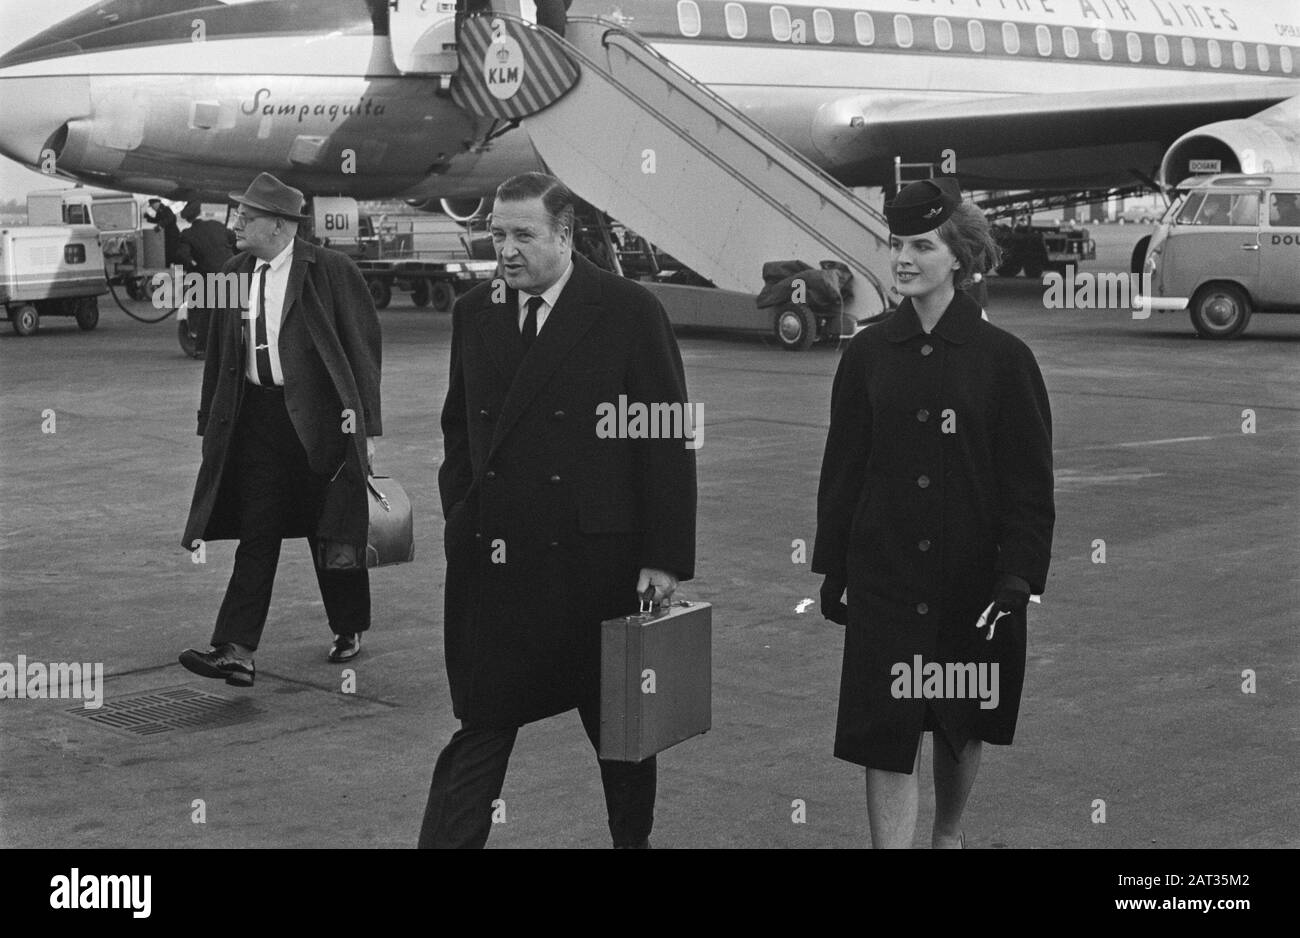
{"points": [[499, 323], [303, 254], [575, 312]]}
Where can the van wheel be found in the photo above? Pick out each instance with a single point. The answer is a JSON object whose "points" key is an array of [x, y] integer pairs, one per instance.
{"points": [[381, 291], [420, 293], [444, 296], [1139, 258], [25, 320], [87, 313], [796, 329], [1220, 311]]}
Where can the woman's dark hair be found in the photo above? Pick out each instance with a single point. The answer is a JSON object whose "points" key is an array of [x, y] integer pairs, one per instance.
{"points": [[556, 197], [970, 238]]}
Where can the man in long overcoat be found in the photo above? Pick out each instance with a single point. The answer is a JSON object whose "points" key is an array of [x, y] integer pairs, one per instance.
{"points": [[289, 407], [551, 525]]}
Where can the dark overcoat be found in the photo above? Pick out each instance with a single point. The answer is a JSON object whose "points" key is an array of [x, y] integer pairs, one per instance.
{"points": [[937, 478], [548, 523], [330, 351]]}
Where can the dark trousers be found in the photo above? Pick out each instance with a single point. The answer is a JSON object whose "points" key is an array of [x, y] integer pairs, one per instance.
{"points": [[472, 768], [276, 487]]}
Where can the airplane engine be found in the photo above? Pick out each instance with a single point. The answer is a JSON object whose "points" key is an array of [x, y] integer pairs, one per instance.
{"points": [[466, 210], [1269, 142]]}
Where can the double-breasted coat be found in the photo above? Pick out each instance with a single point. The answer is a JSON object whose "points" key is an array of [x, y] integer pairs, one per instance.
{"points": [[331, 353], [936, 480], [548, 521]]}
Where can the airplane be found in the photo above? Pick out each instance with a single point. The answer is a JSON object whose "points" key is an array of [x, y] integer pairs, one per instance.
{"points": [[191, 98]]}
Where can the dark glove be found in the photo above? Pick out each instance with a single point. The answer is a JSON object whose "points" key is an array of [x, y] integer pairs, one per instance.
{"points": [[832, 607], [1011, 594]]}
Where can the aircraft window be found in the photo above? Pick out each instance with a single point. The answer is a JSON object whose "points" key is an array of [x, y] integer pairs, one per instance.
{"points": [[1190, 208], [1134, 43], [823, 26], [1216, 55], [1070, 39], [943, 34], [1044, 37], [780, 24], [865, 27], [688, 18], [975, 31], [737, 22], [1261, 56], [903, 31], [1105, 48], [1238, 55], [1010, 38], [1162, 50], [1284, 58], [1189, 51], [1284, 209]]}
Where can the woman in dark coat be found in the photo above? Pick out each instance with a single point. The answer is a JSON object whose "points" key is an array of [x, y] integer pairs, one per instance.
{"points": [[934, 512]]}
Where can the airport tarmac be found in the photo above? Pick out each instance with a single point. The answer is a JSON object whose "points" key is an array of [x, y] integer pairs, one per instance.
{"points": [[1134, 685]]}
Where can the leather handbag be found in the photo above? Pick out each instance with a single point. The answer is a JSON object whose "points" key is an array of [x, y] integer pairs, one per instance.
{"points": [[390, 537]]}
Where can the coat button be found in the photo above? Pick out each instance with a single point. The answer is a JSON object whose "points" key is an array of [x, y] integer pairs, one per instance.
{"points": [[491, 474], [923, 415], [927, 349], [230, 370], [485, 415], [923, 546], [923, 482], [558, 415], [922, 609], [555, 544], [478, 535], [555, 480]]}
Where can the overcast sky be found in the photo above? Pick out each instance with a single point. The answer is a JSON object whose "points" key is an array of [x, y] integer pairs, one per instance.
{"points": [[19, 21]]}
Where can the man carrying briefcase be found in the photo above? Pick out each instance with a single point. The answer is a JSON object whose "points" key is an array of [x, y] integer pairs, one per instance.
{"points": [[553, 521], [289, 405]]}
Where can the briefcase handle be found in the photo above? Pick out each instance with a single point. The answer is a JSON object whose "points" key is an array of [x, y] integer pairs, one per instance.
{"points": [[646, 601]]}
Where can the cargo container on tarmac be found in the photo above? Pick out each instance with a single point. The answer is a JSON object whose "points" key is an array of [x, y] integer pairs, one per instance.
{"points": [[51, 270]]}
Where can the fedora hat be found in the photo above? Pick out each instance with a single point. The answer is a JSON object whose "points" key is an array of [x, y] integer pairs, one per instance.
{"points": [[270, 195]]}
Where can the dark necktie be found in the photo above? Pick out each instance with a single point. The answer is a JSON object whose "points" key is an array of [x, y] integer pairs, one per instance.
{"points": [[262, 345], [530, 321]]}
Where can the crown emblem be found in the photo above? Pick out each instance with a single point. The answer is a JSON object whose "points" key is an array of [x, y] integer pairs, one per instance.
{"points": [[503, 55]]}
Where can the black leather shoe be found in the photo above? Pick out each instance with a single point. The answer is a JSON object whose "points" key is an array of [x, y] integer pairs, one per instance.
{"points": [[221, 662], [345, 647]]}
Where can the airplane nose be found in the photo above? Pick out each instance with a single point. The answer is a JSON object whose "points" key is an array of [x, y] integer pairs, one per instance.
{"points": [[34, 108]]}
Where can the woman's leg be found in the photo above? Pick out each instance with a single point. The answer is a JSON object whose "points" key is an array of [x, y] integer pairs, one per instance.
{"points": [[953, 779], [891, 805]]}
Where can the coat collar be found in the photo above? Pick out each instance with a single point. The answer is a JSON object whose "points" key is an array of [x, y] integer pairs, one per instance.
{"points": [[527, 370], [957, 324]]}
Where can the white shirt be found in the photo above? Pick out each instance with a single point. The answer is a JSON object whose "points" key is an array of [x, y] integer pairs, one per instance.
{"points": [[277, 284], [549, 298]]}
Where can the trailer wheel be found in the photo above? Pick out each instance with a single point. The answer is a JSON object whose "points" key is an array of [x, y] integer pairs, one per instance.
{"points": [[25, 320], [1139, 258], [444, 296], [189, 341], [87, 313], [796, 329], [420, 293], [1220, 311], [381, 291]]}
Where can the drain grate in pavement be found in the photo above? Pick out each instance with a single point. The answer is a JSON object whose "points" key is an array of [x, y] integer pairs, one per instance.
{"points": [[149, 713]]}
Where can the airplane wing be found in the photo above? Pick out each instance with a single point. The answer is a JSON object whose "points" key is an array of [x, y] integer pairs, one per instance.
{"points": [[1082, 139]]}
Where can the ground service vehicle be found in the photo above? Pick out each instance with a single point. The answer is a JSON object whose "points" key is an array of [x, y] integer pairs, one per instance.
{"points": [[1227, 248], [50, 270]]}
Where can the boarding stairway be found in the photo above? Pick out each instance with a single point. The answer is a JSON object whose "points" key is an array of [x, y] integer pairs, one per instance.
{"points": [[641, 140]]}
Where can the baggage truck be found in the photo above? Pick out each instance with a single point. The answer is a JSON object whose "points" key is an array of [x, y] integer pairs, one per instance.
{"points": [[51, 270]]}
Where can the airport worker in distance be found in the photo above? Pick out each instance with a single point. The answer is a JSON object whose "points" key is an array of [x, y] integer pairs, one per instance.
{"points": [[552, 525], [934, 507], [204, 248], [288, 413]]}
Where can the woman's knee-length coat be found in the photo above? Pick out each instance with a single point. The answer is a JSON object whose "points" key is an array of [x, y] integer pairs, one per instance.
{"points": [[936, 480]]}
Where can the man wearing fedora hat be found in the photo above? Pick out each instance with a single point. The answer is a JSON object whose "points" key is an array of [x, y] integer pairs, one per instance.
{"points": [[289, 407]]}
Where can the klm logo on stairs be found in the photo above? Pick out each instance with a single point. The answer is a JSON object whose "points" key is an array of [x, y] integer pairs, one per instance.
{"points": [[510, 69]]}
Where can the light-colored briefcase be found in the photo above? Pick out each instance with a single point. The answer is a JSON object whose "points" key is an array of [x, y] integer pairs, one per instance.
{"points": [[656, 679]]}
